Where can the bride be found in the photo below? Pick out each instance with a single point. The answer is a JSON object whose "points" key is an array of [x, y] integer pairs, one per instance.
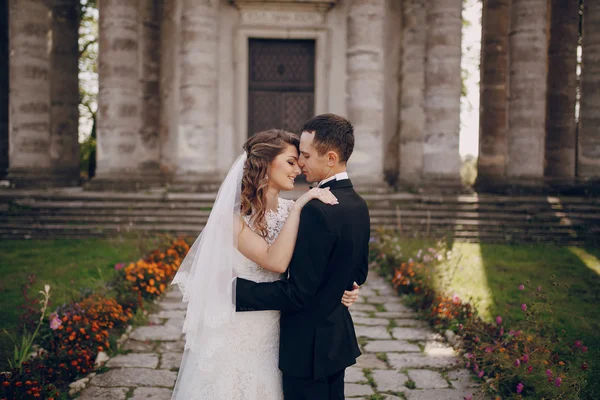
{"points": [[251, 233]]}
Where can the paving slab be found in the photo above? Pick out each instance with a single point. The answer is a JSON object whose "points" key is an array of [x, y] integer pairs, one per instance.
{"points": [[377, 346], [389, 380], [427, 379], [135, 377], [372, 332], [140, 360], [151, 394], [157, 332]]}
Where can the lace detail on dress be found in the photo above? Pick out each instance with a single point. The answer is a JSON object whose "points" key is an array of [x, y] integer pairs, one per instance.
{"points": [[246, 366]]}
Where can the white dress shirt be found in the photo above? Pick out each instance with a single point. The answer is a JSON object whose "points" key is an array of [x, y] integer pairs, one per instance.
{"points": [[337, 177]]}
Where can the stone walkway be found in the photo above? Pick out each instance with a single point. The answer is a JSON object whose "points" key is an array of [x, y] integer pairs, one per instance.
{"points": [[402, 357]]}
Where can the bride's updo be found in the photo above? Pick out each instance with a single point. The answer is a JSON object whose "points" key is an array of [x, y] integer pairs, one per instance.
{"points": [[261, 150]]}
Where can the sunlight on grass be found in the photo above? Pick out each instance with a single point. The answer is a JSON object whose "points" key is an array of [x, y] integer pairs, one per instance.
{"points": [[590, 261], [464, 275]]}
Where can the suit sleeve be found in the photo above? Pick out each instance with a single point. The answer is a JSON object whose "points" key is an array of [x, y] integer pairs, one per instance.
{"points": [[307, 267], [363, 269]]}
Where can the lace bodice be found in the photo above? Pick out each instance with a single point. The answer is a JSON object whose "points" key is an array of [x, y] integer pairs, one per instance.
{"points": [[248, 269]]}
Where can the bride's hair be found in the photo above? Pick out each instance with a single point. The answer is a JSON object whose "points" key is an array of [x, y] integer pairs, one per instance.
{"points": [[261, 150]]}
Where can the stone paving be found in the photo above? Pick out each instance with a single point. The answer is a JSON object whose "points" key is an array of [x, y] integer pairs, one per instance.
{"points": [[402, 357]]}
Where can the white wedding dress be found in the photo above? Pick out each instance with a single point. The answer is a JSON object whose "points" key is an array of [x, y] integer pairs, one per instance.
{"points": [[246, 367]]}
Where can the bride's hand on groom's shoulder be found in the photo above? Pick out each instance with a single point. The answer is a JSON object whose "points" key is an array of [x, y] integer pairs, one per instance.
{"points": [[350, 296], [323, 195]]}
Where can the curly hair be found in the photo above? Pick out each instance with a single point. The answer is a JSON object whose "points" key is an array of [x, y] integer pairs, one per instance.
{"points": [[261, 150]]}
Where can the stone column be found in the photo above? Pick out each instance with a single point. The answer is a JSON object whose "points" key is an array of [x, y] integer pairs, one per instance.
{"points": [[527, 102], [3, 88], [365, 89], [588, 155], [493, 109], [29, 136], [195, 141], [412, 92], [562, 90], [441, 160], [64, 92], [150, 14], [123, 158]]}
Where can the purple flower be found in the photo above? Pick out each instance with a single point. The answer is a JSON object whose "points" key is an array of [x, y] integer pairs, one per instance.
{"points": [[475, 367], [524, 307], [578, 344], [476, 340], [584, 349], [517, 363], [455, 299], [468, 397], [468, 364], [521, 287], [501, 331], [539, 288], [498, 320], [520, 387], [469, 355], [558, 382], [526, 358], [480, 374], [488, 350], [119, 266], [549, 373], [529, 369]]}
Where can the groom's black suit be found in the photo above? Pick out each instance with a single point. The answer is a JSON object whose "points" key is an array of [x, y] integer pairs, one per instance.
{"points": [[317, 334]]}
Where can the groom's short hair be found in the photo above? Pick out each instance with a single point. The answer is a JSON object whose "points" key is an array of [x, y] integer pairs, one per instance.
{"points": [[332, 132]]}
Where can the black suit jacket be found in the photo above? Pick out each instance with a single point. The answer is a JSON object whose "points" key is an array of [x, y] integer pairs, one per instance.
{"points": [[317, 333]]}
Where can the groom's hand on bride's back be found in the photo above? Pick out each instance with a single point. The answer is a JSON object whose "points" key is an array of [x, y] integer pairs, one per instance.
{"points": [[350, 296]]}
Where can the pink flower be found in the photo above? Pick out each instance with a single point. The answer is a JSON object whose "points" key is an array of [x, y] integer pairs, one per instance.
{"points": [[460, 327], [501, 331], [520, 387], [529, 369], [55, 322], [549, 373], [469, 355], [468, 364], [468, 397], [578, 344], [584, 349], [521, 287], [524, 307], [517, 363], [455, 299], [476, 340], [488, 350], [480, 374], [498, 320], [539, 288], [525, 358], [475, 367], [558, 382], [119, 266]]}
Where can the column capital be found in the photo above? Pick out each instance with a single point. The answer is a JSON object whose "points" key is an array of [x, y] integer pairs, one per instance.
{"points": [[318, 5]]}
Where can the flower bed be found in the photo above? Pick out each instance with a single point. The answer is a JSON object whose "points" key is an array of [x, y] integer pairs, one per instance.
{"points": [[71, 337], [525, 358]]}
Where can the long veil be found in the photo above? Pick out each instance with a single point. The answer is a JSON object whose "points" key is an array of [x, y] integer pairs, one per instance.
{"points": [[205, 278]]}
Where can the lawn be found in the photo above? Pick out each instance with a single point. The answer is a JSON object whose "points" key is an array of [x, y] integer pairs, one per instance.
{"points": [[490, 275], [68, 266]]}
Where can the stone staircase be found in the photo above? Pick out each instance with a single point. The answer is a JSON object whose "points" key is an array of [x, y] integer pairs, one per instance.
{"points": [[74, 213]]}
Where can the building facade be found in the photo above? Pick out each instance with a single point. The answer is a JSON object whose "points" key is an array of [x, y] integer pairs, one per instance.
{"points": [[183, 83]]}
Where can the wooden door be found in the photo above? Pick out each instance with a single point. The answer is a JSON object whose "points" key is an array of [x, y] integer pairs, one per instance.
{"points": [[281, 87]]}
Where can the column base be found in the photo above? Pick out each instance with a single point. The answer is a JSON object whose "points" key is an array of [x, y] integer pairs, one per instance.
{"points": [[42, 178]]}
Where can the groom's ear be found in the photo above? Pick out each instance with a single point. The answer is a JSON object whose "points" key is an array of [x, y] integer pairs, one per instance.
{"points": [[332, 158]]}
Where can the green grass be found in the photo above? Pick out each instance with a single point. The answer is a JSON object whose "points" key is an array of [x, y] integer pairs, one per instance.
{"points": [[68, 266], [491, 274]]}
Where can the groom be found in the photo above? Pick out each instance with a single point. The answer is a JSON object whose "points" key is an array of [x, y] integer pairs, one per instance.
{"points": [[318, 340]]}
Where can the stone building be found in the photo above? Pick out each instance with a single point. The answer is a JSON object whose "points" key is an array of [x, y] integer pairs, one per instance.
{"points": [[184, 82]]}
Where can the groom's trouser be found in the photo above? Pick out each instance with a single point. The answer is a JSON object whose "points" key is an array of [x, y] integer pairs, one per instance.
{"points": [[330, 388]]}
